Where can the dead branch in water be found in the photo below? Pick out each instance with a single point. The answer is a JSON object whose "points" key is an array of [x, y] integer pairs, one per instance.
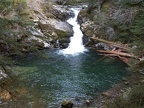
{"points": [[120, 50], [124, 59], [118, 53]]}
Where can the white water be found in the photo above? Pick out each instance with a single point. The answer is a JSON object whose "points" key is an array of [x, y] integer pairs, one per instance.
{"points": [[76, 45]]}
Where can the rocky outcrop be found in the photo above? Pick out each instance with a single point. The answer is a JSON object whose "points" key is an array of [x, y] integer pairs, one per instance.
{"points": [[61, 12], [61, 28], [50, 28], [51, 22], [56, 30], [109, 23]]}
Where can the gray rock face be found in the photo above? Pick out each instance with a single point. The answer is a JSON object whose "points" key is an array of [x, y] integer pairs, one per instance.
{"points": [[56, 30], [52, 29], [62, 12], [56, 24]]}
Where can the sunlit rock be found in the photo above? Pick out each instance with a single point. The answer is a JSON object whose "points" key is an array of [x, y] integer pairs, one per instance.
{"points": [[56, 30], [66, 104]]}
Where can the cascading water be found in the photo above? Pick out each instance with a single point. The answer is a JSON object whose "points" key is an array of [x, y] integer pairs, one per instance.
{"points": [[76, 45]]}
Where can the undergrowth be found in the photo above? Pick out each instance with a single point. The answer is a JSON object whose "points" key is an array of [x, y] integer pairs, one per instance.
{"points": [[135, 99]]}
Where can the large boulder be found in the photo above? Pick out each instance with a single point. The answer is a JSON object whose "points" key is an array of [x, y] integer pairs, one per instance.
{"points": [[56, 30]]}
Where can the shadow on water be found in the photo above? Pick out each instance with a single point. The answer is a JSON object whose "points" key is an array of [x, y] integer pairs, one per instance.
{"points": [[46, 82]]}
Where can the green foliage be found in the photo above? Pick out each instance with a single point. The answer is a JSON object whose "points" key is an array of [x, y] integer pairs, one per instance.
{"points": [[134, 99], [136, 96], [7, 6], [124, 33], [129, 3], [12, 31], [74, 2], [8, 36], [91, 5], [5, 60], [5, 3], [138, 26], [117, 103]]}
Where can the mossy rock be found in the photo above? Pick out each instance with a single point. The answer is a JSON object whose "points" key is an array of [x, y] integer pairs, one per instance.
{"points": [[43, 25], [36, 43], [62, 34], [66, 104]]}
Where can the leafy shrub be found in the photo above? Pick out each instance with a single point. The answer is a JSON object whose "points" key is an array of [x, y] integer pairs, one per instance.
{"points": [[138, 26], [135, 99], [129, 3]]}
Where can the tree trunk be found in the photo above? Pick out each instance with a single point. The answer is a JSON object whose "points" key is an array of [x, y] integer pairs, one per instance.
{"points": [[112, 44], [118, 53]]}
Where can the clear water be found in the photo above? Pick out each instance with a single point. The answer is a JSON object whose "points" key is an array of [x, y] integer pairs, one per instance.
{"points": [[48, 81], [73, 74]]}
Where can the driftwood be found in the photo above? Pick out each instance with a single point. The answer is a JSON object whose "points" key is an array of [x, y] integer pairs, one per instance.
{"points": [[121, 51], [126, 48], [118, 53]]}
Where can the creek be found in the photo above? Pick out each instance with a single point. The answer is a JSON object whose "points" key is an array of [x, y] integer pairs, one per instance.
{"points": [[73, 73]]}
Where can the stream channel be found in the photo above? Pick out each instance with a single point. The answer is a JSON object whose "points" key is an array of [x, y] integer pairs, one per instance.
{"points": [[73, 73]]}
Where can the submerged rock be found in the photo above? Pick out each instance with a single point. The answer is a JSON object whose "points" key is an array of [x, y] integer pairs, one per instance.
{"points": [[66, 104], [87, 102]]}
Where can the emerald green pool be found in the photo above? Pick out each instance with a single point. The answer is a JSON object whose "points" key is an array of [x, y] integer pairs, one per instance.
{"points": [[49, 80]]}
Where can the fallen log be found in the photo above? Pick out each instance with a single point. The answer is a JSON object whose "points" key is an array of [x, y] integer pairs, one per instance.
{"points": [[118, 53], [124, 59], [126, 48]]}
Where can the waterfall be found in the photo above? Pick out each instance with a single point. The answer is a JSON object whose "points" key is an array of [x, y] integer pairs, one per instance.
{"points": [[76, 45]]}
